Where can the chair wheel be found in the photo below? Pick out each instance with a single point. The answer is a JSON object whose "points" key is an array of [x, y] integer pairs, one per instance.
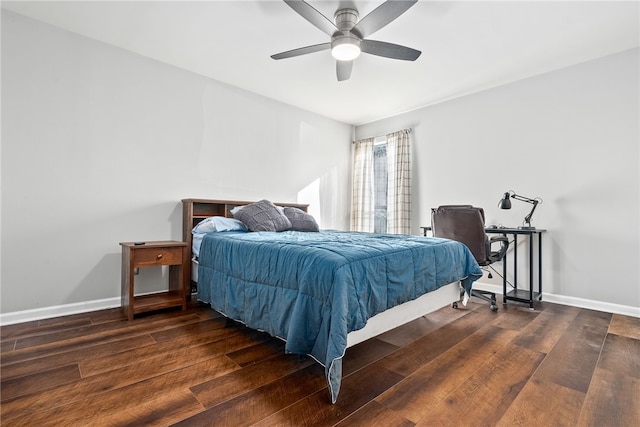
{"points": [[454, 305], [494, 307]]}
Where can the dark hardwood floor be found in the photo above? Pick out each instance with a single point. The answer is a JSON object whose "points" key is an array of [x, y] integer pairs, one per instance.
{"points": [[552, 366]]}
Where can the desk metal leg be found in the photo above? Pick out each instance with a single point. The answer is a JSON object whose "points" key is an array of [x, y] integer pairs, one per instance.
{"points": [[539, 266], [515, 262], [504, 280], [515, 270], [531, 238]]}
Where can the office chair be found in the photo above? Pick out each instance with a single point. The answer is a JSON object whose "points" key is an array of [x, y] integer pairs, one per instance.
{"points": [[465, 224]]}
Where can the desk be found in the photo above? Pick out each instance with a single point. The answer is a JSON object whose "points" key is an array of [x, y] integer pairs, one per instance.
{"points": [[521, 295]]}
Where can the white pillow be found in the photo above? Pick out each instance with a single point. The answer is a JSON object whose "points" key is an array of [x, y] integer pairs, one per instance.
{"points": [[218, 223], [236, 209], [213, 224]]}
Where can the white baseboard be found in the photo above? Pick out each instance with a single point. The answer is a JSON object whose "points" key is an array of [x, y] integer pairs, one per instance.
{"points": [[607, 307], [57, 311], [84, 307]]}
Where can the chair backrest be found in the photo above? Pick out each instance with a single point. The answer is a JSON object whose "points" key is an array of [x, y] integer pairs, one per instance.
{"points": [[463, 223]]}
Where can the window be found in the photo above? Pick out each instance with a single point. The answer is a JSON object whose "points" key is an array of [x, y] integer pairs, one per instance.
{"points": [[380, 185], [381, 200]]}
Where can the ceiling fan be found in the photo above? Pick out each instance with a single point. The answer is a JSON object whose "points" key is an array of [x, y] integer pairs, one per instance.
{"points": [[348, 34]]}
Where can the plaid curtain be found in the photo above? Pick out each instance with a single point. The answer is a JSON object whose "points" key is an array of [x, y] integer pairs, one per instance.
{"points": [[399, 183], [362, 209]]}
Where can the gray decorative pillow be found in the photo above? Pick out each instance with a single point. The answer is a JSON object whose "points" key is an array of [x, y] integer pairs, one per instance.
{"points": [[263, 216], [300, 220]]}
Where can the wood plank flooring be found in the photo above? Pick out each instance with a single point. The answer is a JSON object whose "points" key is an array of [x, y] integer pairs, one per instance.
{"points": [[552, 366]]}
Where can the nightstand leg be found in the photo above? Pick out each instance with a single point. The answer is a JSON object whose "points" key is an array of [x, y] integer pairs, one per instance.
{"points": [[126, 295]]}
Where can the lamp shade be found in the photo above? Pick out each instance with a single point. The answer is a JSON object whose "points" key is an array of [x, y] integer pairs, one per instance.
{"points": [[505, 202]]}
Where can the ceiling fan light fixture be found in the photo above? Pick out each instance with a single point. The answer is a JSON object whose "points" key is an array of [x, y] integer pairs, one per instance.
{"points": [[345, 48]]}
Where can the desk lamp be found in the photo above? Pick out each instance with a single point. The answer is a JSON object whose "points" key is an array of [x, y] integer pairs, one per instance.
{"points": [[505, 203]]}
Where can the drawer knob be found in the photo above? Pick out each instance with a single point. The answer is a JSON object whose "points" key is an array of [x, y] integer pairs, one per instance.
{"points": [[159, 256]]}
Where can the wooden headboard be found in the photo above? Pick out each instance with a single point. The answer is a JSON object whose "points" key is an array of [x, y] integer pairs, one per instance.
{"points": [[195, 210]]}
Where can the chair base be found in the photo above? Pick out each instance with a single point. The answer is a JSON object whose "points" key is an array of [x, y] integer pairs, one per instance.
{"points": [[488, 296]]}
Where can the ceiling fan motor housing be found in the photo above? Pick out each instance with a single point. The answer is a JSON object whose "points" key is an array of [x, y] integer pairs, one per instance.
{"points": [[344, 44], [346, 19]]}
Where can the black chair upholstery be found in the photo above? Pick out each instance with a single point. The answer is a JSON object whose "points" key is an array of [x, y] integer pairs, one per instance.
{"points": [[465, 224]]}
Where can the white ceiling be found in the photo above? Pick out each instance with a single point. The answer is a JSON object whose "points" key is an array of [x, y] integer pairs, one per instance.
{"points": [[466, 46]]}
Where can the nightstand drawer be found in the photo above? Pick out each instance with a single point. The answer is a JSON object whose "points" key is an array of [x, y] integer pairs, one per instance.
{"points": [[157, 256]]}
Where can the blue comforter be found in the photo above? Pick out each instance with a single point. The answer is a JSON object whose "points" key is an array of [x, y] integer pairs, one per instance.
{"points": [[312, 289]]}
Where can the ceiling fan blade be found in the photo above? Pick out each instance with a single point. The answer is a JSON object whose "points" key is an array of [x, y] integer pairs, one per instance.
{"points": [[389, 50], [381, 16], [309, 13], [302, 51], [343, 70]]}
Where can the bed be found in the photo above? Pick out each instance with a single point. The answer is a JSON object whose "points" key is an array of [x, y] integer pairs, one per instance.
{"points": [[323, 291]]}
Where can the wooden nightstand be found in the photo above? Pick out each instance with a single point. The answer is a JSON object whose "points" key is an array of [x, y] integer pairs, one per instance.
{"points": [[149, 254]]}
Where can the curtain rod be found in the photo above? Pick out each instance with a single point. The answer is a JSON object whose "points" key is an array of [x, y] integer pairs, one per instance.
{"points": [[380, 136]]}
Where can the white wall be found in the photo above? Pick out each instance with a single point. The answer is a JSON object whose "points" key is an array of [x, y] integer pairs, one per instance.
{"points": [[99, 145], [570, 137]]}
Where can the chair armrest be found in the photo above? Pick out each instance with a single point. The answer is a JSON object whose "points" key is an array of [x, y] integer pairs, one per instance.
{"points": [[504, 239], [499, 254]]}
